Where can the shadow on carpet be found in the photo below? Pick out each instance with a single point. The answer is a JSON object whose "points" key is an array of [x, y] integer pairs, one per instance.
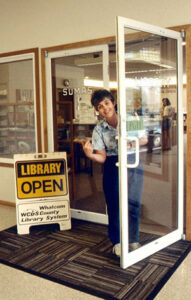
{"points": [[82, 258]]}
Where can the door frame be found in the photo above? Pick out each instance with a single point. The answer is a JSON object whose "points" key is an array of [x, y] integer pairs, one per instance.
{"points": [[129, 258], [75, 213]]}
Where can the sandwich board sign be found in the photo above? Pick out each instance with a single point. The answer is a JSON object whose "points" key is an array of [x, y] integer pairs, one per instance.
{"points": [[42, 193]]}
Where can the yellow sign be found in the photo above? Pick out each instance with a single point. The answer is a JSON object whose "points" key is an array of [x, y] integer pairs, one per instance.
{"points": [[39, 179]]}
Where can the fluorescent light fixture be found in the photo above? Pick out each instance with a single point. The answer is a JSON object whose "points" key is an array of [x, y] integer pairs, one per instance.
{"points": [[99, 83], [113, 85], [94, 83], [147, 71], [131, 82]]}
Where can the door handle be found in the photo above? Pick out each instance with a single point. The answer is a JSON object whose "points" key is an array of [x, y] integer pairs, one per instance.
{"points": [[136, 163]]}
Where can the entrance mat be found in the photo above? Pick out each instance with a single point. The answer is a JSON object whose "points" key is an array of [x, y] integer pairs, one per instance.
{"points": [[82, 258]]}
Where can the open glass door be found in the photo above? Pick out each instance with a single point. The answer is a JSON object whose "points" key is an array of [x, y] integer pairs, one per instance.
{"points": [[71, 77], [150, 138]]}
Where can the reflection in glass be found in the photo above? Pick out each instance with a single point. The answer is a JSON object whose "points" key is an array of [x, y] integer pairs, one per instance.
{"points": [[74, 79], [17, 122], [151, 77]]}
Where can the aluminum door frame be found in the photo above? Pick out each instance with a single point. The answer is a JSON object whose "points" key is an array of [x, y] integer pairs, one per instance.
{"points": [[129, 258], [75, 213]]}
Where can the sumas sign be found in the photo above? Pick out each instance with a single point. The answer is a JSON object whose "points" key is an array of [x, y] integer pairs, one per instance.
{"points": [[41, 184]]}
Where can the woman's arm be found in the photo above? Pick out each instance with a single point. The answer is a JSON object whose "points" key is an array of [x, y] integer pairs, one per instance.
{"points": [[99, 156], [143, 140]]}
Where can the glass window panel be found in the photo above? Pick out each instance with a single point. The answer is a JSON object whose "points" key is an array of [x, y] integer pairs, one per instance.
{"points": [[151, 93], [17, 122], [74, 78]]}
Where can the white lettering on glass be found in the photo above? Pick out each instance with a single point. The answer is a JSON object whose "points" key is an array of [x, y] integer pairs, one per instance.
{"points": [[77, 90]]}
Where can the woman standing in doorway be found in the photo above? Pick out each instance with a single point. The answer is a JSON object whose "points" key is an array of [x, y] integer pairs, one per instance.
{"points": [[104, 149]]}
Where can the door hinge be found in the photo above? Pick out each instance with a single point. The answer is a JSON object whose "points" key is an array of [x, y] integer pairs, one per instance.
{"points": [[183, 237], [183, 34]]}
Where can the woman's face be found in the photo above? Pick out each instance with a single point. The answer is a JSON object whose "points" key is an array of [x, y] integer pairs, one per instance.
{"points": [[106, 108], [164, 102]]}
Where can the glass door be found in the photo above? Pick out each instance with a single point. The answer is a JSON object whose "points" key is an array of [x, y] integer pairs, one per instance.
{"points": [[150, 138], [72, 75]]}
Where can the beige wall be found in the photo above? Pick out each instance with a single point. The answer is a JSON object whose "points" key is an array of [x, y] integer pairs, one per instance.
{"points": [[41, 23]]}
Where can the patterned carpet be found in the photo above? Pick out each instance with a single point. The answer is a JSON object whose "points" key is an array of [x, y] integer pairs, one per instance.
{"points": [[82, 259]]}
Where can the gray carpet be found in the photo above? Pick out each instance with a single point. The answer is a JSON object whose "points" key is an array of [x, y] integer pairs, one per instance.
{"points": [[82, 259]]}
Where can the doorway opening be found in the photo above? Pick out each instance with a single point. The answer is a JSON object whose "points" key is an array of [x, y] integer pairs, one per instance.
{"points": [[75, 75]]}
